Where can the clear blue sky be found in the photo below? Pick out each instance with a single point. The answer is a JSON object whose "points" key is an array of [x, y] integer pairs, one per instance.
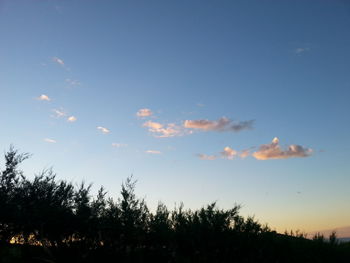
{"points": [[217, 82]]}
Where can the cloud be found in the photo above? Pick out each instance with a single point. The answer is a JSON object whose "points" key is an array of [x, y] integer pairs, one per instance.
{"points": [[49, 140], [59, 113], [43, 97], [229, 153], [170, 130], [242, 125], [119, 145], [222, 124], [72, 119], [206, 157], [144, 113], [244, 154], [153, 126], [58, 61], [300, 50], [274, 151], [153, 152], [73, 82], [103, 130]]}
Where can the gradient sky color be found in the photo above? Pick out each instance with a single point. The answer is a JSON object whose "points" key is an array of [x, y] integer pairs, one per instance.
{"points": [[183, 94]]}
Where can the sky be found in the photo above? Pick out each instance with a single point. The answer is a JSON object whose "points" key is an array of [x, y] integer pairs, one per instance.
{"points": [[239, 102]]}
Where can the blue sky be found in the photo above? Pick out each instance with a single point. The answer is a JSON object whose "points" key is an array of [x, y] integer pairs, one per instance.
{"points": [[217, 82]]}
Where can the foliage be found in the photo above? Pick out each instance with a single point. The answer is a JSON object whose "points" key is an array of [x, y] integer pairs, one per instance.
{"points": [[53, 220]]}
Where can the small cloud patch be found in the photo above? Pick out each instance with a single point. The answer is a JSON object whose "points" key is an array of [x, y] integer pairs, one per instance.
{"points": [[274, 151], [161, 131], [223, 124], [301, 50], [153, 152], [48, 140], [206, 157], [119, 145], [58, 61], [144, 113], [59, 113], [228, 153], [103, 129], [43, 97], [72, 119]]}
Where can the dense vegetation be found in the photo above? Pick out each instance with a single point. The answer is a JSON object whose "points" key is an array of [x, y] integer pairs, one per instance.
{"points": [[46, 220]]}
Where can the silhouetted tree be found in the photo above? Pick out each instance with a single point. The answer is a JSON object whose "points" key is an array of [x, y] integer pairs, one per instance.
{"points": [[69, 222]]}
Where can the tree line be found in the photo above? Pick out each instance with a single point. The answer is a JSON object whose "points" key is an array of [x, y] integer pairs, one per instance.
{"points": [[50, 220]]}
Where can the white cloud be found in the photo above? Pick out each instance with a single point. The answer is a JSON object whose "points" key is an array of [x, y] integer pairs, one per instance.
{"points": [[153, 152], [144, 113], [73, 82], [170, 130], [222, 124], [274, 151], [206, 157], [72, 119], [103, 130], [58, 61], [49, 140], [229, 153], [300, 50], [43, 97], [119, 145], [59, 113]]}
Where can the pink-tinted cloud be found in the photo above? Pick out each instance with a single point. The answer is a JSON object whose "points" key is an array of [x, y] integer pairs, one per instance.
{"points": [[58, 61], [72, 119], [244, 154], [222, 124], [161, 131], [228, 153], [274, 151], [153, 152], [50, 140], [44, 97], [144, 113], [206, 157]]}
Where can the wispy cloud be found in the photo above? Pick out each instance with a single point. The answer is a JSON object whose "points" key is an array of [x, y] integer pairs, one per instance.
{"points": [[161, 131], [228, 153], [153, 152], [49, 140], [58, 61], [274, 151], [206, 157], [73, 82], [144, 113], [300, 50], [244, 154], [103, 129], [59, 113], [153, 126], [71, 119], [118, 145], [222, 124], [43, 97]]}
